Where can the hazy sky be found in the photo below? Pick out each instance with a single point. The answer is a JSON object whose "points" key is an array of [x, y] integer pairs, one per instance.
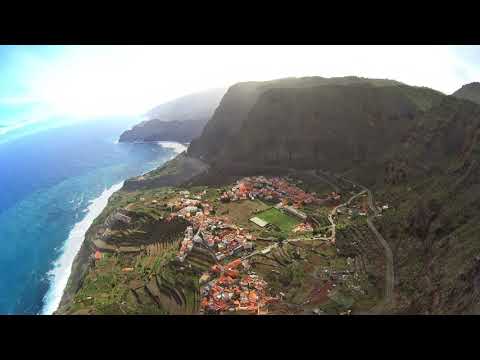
{"points": [[89, 81]]}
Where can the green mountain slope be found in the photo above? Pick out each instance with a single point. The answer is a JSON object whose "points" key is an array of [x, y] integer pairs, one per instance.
{"points": [[469, 92], [434, 227], [418, 150], [240, 99], [310, 121]]}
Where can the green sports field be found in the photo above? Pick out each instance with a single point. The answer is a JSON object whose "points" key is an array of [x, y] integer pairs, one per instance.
{"points": [[276, 217]]}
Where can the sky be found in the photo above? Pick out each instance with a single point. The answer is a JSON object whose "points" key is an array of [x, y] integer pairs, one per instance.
{"points": [[89, 82]]}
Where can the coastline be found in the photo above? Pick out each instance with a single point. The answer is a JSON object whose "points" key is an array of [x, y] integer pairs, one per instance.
{"points": [[160, 142], [61, 271], [82, 260], [178, 147]]}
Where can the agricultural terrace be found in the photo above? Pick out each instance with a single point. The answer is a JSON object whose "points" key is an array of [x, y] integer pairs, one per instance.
{"points": [[201, 253]]}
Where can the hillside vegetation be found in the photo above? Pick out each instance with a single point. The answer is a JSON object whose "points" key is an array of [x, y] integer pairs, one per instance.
{"points": [[304, 121], [415, 149], [469, 92]]}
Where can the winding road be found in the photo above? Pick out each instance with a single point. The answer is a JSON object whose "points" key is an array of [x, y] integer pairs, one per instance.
{"points": [[267, 249], [389, 275], [389, 269]]}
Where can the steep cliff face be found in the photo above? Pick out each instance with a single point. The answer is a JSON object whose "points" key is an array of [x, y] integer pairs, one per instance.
{"points": [[469, 92], [434, 227], [420, 148], [240, 99], [310, 121], [157, 130], [226, 120], [179, 120], [443, 140], [319, 126]]}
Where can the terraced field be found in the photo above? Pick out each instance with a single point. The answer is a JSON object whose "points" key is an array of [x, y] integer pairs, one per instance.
{"points": [[358, 241], [312, 276], [308, 273], [168, 294], [174, 289]]}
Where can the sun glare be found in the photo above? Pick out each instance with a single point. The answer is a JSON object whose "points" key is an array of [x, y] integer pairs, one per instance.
{"points": [[89, 81]]}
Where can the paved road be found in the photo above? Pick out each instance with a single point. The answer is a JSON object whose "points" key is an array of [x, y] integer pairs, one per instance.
{"points": [[334, 211], [267, 249], [389, 269], [389, 275]]}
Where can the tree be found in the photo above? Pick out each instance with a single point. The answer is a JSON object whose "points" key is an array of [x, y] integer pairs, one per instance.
{"points": [[281, 238]]}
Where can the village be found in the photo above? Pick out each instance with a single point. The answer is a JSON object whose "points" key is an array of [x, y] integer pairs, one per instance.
{"points": [[276, 189], [232, 284]]}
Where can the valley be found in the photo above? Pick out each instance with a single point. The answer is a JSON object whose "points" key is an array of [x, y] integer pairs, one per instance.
{"points": [[290, 272], [300, 196]]}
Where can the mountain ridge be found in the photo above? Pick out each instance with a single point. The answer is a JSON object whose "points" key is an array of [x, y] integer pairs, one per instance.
{"points": [[179, 120], [243, 100], [469, 91], [428, 170]]}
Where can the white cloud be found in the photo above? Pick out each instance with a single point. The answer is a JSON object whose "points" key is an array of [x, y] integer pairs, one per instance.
{"points": [[107, 80]]}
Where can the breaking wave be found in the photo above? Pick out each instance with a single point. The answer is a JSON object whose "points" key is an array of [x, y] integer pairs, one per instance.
{"points": [[177, 147], [4, 129], [62, 267]]}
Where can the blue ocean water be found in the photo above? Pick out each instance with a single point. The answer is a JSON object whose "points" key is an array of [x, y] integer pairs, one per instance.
{"points": [[52, 185]]}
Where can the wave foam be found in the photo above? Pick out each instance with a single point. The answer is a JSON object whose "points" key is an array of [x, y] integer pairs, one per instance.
{"points": [[62, 267], [177, 147], [8, 128]]}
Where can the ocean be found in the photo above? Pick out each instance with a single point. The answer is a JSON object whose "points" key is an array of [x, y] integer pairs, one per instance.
{"points": [[53, 183]]}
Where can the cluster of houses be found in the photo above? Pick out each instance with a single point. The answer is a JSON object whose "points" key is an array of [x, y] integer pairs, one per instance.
{"points": [[289, 197], [223, 238], [269, 189], [303, 227], [361, 208], [187, 206], [334, 196], [216, 233], [234, 290], [233, 286]]}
